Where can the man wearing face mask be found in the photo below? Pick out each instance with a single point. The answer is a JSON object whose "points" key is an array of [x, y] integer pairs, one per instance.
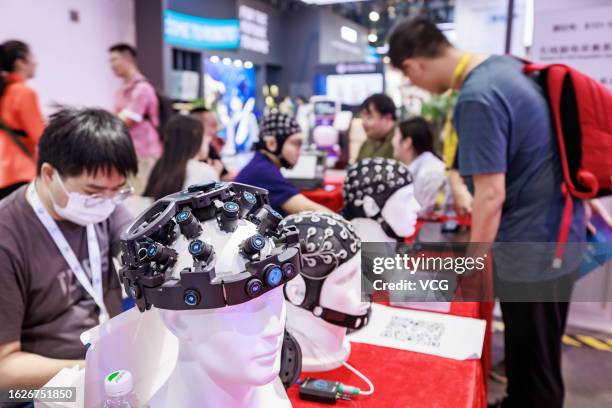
{"points": [[279, 145], [58, 235]]}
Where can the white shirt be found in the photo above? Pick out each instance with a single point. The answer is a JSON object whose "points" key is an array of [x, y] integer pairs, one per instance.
{"points": [[199, 172], [429, 176]]}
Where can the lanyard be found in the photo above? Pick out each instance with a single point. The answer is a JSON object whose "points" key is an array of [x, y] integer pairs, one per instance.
{"points": [[95, 290], [460, 68]]}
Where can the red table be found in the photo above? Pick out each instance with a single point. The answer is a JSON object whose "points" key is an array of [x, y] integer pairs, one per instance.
{"points": [[330, 195], [405, 379]]}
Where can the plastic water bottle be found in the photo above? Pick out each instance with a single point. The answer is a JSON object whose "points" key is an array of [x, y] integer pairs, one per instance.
{"points": [[119, 387]]}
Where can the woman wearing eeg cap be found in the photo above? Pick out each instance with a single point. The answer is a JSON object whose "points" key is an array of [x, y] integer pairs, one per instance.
{"points": [[279, 146]]}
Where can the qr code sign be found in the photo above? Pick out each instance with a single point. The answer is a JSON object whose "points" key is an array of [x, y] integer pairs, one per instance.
{"points": [[414, 331]]}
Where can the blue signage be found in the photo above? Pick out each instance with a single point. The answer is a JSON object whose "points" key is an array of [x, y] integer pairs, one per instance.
{"points": [[197, 32]]}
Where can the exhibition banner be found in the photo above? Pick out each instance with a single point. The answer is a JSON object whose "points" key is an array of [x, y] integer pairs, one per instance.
{"points": [[201, 33], [577, 36]]}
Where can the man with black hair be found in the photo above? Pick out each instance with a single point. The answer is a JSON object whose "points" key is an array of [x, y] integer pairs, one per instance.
{"points": [[378, 117], [58, 236], [508, 156], [136, 104], [279, 145]]}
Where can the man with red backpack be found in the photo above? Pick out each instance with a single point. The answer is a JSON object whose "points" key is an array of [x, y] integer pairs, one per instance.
{"points": [[511, 162], [137, 104]]}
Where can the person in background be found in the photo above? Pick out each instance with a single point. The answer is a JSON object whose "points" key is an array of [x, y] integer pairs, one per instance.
{"points": [[21, 122], [48, 296], [279, 145], [181, 163], [286, 106], [378, 117], [138, 106], [508, 156], [413, 145], [212, 140]]}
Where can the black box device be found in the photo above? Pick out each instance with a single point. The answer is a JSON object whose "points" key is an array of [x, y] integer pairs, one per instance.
{"points": [[314, 389]]}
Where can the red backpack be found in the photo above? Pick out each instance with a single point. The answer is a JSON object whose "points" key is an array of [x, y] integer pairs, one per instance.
{"points": [[581, 109]]}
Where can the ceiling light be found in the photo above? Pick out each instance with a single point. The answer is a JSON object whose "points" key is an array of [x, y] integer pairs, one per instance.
{"points": [[374, 16], [214, 59], [248, 64], [372, 37], [227, 61], [237, 63]]}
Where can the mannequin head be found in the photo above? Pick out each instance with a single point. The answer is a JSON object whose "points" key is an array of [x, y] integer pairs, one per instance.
{"points": [[381, 190], [245, 338], [214, 261], [329, 285], [238, 344]]}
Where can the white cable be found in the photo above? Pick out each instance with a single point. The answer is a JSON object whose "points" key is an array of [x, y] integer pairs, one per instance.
{"points": [[358, 373], [363, 377]]}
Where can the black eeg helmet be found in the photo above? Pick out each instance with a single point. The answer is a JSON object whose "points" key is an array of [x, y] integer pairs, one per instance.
{"points": [[148, 258]]}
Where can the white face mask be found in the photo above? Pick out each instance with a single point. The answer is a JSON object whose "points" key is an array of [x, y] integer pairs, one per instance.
{"points": [[83, 209]]}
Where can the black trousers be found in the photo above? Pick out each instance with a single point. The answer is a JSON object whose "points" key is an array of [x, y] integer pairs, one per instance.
{"points": [[532, 334]]}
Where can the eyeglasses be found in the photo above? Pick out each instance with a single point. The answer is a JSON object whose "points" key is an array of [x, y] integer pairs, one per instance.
{"points": [[120, 196], [91, 200]]}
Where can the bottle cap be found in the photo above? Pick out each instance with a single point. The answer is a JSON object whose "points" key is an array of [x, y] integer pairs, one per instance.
{"points": [[118, 383]]}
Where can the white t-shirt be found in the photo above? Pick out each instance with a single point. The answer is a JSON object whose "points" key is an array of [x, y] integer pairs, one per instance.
{"points": [[429, 175], [199, 172]]}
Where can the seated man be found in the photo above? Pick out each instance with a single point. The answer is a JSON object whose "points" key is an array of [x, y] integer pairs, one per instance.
{"points": [[378, 117], [58, 235], [279, 145]]}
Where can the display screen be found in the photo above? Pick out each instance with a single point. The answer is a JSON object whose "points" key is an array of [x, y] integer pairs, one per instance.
{"points": [[229, 90], [353, 89], [325, 108]]}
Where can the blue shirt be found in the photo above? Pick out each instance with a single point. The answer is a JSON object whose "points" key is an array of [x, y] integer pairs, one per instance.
{"points": [[261, 172], [504, 126]]}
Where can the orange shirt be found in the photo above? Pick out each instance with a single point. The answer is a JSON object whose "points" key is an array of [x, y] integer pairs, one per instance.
{"points": [[19, 110]]}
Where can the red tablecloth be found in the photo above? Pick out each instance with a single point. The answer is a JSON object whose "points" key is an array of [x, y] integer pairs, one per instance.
{"points": [[330, 195], [405, 379]]}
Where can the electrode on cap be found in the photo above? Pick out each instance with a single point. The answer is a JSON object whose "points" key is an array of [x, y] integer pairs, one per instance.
{"points": [[247, 201], [273, 275], [156, 252], [189, 225], [230, 213], [253, 245], [288, 271], [268, 219], [200, 250], [254, 287]]}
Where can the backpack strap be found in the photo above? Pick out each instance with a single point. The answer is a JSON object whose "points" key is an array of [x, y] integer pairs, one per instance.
{"points": [[564, 229], [16, 136]]}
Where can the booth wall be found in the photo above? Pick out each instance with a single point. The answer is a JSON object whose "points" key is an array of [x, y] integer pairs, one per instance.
{"points": [[475, 17], [72, 56]]}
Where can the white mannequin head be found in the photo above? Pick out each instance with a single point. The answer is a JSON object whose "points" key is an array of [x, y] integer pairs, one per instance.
{"points": [[213, 262], [381, 190], [237, 344], [330, 281]]}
